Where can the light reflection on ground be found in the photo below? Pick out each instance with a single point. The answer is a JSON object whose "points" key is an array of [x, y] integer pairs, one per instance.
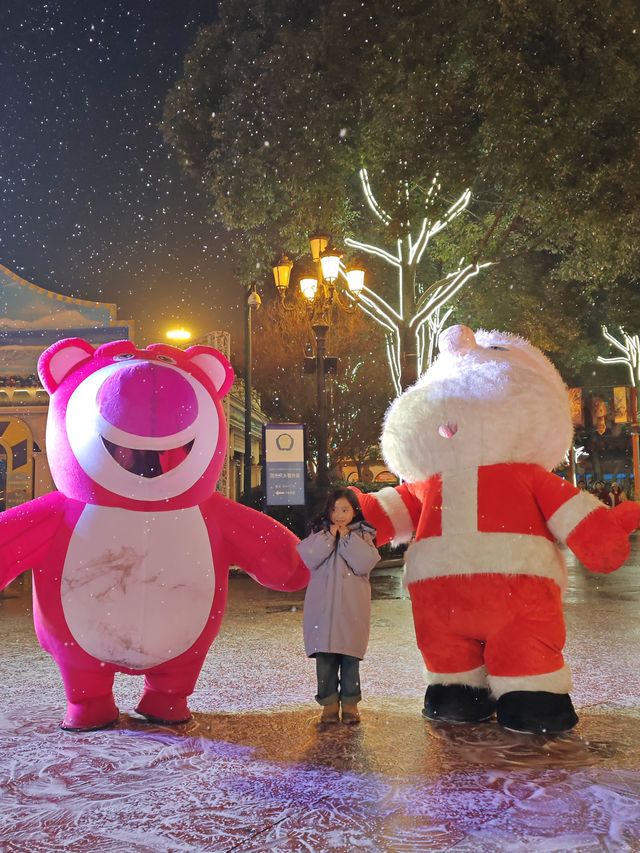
{"points": [[254, 772]]}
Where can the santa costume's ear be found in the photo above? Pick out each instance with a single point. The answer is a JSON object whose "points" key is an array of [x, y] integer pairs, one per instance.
{"points": [[60, 359], [214, 364]]}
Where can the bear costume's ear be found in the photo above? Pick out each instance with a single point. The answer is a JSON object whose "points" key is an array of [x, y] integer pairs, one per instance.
{"points": [[60, 359], [214, 364]]}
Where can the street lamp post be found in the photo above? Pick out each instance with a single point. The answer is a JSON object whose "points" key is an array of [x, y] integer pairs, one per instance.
{"points": [[322, 294], [252, 302], [322, 475]]}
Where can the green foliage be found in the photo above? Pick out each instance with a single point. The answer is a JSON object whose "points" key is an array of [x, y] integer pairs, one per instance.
{"points": [[535, 106], [358, 394]]}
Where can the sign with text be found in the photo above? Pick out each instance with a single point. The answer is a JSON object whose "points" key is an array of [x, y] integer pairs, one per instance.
{"points": [[285, 465]]}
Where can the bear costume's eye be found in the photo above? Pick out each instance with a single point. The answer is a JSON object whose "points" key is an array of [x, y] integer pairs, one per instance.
{"points": [[167, 359], [502, 349], [123, 356]]}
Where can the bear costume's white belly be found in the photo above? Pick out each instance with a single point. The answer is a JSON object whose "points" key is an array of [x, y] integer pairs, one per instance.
{"points": [[137, 587]]}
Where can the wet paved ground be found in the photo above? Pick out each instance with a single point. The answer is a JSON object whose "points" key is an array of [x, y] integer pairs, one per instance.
{"points": [[253, 772]]}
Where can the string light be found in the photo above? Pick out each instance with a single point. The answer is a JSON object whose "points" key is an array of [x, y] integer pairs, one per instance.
{"points": [[429, 320], [382, 215], [373, 250], [446, 292], [631, 350]]}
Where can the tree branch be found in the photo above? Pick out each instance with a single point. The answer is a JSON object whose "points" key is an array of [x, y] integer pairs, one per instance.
{"points": [[382, 215], [445, 292], [373, 250], [454, 211]]}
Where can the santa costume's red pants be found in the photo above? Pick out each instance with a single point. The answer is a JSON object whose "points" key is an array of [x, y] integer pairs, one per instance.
{"points": [[511, 624]]}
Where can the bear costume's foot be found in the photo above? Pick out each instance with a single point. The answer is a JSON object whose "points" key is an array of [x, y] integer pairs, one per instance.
{"points": [[536, 712], [458, 703], [91, 715], [163, 709]]}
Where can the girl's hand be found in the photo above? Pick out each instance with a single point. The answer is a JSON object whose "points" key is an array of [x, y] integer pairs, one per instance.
{"points": [[343, 530], [333, 529]]}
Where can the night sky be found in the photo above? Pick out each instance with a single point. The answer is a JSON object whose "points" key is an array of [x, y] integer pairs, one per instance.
{"points": [[93, 203]]}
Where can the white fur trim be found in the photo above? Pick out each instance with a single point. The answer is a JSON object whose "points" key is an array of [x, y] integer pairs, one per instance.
{"points": [[471, 678], [485, 553], [459, 503], [571, 513], [551, 682], [395, 508]]}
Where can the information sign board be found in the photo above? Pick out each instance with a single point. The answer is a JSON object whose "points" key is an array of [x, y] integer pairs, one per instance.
{"points": [[284, 463]]}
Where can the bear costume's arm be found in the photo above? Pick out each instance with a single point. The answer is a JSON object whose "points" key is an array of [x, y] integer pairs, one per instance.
{"points": [[598, 536], [26, 532], [394, 512], [259, 545]]}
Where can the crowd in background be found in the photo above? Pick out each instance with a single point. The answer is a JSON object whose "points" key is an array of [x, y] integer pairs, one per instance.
{"points": [[30, 381], [610, 495]]}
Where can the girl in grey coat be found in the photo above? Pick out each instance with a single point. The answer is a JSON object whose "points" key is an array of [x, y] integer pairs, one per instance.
{"points": [[337, 607]]}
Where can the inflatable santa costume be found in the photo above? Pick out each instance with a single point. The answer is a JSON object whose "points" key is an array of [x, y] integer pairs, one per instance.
{"points": [[474, 441], [130, 557]]}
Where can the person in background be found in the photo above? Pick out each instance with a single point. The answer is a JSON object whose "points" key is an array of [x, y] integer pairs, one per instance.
{"points": [[616, 495], [601, 491], [340, 554]]}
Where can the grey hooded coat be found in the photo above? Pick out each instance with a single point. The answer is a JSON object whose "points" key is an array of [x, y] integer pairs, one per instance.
{"points": [[337, 604]]}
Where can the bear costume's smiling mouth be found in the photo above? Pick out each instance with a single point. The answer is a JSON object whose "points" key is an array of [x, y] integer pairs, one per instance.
{"points": [[148, 463]]}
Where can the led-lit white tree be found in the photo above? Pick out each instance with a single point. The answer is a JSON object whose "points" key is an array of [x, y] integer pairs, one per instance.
{"points": [[413, 324], [629, 346], [279, 105]]}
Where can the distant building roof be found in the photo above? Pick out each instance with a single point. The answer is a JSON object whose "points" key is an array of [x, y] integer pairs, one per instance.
{"points": [[32, 318]]}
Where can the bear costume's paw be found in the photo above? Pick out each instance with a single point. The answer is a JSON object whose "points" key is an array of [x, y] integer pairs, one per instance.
{"points": [[90, 715], [163, 709], [458, 703], [536, 712]]}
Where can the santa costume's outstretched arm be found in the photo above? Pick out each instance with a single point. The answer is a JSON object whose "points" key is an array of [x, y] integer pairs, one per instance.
{"points": [[259, 545], [394, 512], [597, 535], [25, 534]]}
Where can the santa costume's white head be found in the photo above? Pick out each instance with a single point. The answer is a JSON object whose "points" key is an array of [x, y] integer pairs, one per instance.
{"points": [[489, 398]]}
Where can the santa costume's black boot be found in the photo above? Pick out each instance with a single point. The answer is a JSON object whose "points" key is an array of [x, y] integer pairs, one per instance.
{"points": [[458, 703], [536, 712]]}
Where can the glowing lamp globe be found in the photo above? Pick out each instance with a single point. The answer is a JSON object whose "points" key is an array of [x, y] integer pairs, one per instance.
{"points": [[318, 243], [179, 335], [330, 262], [281, 274], [309, 286], [355, 279]]}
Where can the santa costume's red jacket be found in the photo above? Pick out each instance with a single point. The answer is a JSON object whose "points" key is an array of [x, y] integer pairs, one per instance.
{"points": [[474, 441], [485, 574], [502, 518]]}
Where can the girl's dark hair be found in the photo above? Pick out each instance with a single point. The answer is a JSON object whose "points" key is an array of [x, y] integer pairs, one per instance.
{"points": [[323, 520]]}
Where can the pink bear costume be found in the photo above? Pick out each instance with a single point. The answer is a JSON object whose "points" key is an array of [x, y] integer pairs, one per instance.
{"points": [[474, 441], [130, 557]]}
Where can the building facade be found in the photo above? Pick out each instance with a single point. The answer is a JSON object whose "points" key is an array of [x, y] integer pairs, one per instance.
{"points": [[231, 480], [32, 318]]}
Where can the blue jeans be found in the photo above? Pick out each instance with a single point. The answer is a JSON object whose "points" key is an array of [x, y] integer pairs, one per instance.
{"points": [[338, 678]]}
